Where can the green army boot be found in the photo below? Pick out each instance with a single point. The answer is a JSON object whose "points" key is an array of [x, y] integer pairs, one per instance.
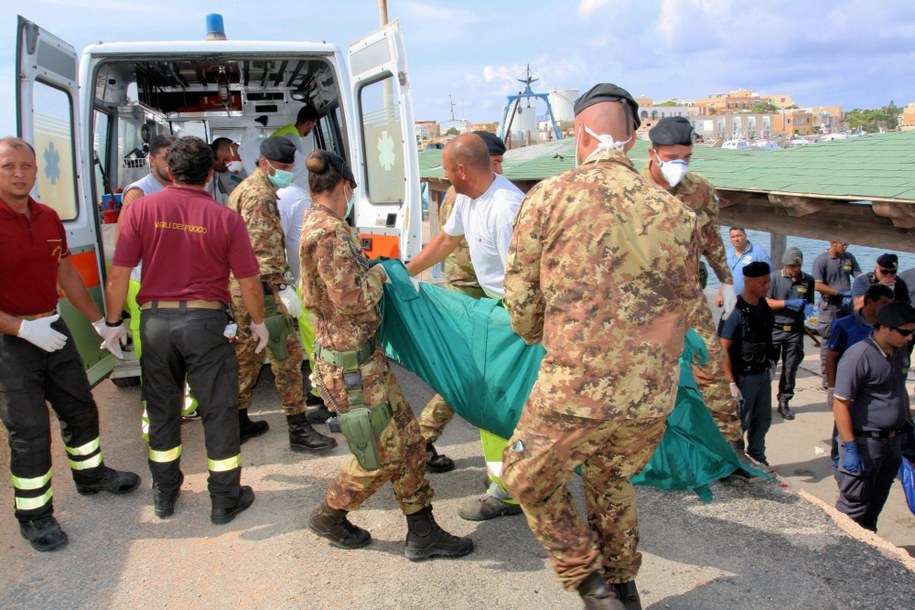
{"points": [[596, 594], [426, 539]]}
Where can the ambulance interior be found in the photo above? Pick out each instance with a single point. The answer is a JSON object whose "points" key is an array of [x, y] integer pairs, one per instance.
{"points": [[244, 99]]}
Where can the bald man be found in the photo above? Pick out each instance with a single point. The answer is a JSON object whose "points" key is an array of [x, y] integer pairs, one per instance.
{"points": [[483, 213], [602, 271]]}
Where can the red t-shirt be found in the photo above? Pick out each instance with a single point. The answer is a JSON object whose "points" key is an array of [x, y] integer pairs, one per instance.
{"points": [[188, 244], [30, 252]]}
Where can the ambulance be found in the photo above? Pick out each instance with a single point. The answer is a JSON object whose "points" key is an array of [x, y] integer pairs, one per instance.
{"points": [[91, 119]]}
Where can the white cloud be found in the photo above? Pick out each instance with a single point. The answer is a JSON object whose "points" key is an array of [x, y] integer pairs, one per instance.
{"points": [[589, 7]]}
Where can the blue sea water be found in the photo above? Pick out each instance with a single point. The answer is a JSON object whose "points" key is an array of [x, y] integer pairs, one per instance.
{"points": [[867, 257]]}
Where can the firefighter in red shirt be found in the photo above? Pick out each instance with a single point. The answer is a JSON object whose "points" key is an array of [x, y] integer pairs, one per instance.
{"points": [[38, 358]]}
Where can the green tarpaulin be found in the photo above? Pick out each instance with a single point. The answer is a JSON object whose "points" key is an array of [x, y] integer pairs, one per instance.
{"points": [[466, 351]]}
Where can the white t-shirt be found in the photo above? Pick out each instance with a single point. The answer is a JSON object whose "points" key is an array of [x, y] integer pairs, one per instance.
{"points": [[486, 224], [293, 201]]}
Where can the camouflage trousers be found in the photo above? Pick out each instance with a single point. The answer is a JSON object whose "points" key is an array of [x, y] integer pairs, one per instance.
{"points": [[287, 374], [712, 382], [435, 416], [401, 448], [538, 463]]}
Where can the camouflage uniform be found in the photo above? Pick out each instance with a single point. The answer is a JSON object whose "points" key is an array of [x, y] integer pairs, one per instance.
{"points": [[602, 270], [255, 199], [461, 277], [699, 194], [343, 294]]}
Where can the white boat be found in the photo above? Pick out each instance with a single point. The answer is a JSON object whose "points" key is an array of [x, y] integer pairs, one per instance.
{"points": [[764, 145], [736, 145]]}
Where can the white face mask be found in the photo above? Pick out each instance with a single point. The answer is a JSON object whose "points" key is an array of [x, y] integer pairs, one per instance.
{"points": [[350, 203], [605, 142], [234, 167], [673, 171]]}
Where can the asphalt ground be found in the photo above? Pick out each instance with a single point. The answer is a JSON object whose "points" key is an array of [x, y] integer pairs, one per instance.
{"points": [[777, 544]]}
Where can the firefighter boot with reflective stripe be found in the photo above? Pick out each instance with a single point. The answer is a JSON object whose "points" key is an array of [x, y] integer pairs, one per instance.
{"points": [[223, 513], [105, 479], [332, 524], [248, 428], [596, 594], [302, 437], [426, 539], [44, 533]]}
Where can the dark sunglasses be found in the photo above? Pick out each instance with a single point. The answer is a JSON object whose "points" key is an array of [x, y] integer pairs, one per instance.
{"points": [[887, 271], [905, 332]]}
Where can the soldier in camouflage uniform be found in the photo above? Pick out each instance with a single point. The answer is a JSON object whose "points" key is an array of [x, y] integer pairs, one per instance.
{"points": [[343, 293], [602, 270], [459, 276], [668, 167], [255, 199]]}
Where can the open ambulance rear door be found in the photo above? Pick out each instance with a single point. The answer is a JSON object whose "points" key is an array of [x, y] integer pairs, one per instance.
{"points": [[47, 98], [388, 210]]}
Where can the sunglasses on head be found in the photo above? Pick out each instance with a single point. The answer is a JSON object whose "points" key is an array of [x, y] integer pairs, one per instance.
{"points": [[905, 332], [887, 271]]}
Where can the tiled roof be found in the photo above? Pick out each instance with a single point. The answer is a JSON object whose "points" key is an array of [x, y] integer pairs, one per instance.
{"points": [[880, 167]]}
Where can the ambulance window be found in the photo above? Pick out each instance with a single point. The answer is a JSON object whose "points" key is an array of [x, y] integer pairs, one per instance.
{"points": [[382, 137], [190, 128], [100, 147], [54, 149]]}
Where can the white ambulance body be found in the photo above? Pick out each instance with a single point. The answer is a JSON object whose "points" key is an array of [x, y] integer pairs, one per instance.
{"points": [[91, 119]]}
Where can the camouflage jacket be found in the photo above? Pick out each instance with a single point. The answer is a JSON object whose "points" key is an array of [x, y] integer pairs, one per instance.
{"points": [[255, 199], [699, 194], [337, 285], [457, 267], [602, 270]]}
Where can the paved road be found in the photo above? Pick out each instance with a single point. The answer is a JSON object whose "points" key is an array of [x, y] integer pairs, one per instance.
{"points": [[762, 546]]}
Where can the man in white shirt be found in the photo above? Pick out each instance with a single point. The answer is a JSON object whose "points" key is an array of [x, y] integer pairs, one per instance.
{"points": [[484, 212]]}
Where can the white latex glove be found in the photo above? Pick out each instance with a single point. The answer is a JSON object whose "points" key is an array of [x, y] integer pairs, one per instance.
{"points": [[735, 393], [830, 395], [99, 326], [115, 338], [415, 283], [260, 332], [39, 333], [729, 297], [291, 300]]}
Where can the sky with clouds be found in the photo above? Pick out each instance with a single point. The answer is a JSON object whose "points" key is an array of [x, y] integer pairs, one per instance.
{"points": [[855, 53]]}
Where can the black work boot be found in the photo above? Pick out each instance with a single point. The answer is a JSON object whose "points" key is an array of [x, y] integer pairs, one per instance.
{"points": [[426, 539], [224, 512], [596, 594], [784, 410], [628, 594], [319, 415], [105, 479], [436, 462], [742, 473], [302, 437], [248, 428], [332, 524], [43, 533], [164, 501]]}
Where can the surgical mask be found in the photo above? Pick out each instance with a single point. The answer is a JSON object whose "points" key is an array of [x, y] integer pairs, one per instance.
{"points": [[280, 178], [673, 171], [605, 143], [350, 202], [234, 166]]}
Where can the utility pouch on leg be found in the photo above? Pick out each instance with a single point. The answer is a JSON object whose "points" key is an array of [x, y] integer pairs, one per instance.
{"points": [[278, 328], [362, 427]]}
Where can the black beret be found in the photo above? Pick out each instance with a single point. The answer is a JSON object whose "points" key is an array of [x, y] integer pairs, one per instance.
{"points": [[607, 92], [342, 168], [888, 261], [670, 131], [896, 314], [278, 149], [756, 269], [493, 142]]}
